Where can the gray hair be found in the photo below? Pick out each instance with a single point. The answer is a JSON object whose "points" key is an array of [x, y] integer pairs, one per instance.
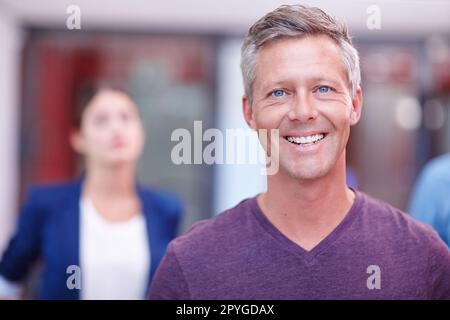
{"points": [[297, 21]]}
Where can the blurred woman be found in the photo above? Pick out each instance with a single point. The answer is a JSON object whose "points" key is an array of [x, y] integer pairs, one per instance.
{"points": [[103, 235]]}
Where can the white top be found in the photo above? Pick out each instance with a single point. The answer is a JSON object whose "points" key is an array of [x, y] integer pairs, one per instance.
{"points": [[9, 289], [114, 256]]}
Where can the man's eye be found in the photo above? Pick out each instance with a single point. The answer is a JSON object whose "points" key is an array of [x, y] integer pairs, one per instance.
{"points": [[324, 89], [278, 93]]}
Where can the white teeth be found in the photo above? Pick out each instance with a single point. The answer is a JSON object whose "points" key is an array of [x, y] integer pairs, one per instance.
{"points": [[306, 140]]}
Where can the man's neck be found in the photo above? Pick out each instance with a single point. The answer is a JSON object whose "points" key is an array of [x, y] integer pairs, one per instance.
{"points": [[306, 211]]}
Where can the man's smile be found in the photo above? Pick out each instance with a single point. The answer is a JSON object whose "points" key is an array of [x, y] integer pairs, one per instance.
{"points": [[306, 139]]}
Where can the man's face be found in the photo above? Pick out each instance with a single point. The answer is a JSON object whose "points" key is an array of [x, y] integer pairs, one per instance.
{"points": [[301, 88]]}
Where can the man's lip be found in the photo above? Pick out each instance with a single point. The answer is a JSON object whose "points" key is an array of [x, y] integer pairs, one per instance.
{"points": [[304, 134]]}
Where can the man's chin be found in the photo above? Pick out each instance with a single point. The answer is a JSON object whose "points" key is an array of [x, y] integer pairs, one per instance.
{"points": [[306, 174]]}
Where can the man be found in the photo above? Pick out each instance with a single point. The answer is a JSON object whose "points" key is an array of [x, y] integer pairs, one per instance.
{"points": [[309, 236], [430, 202]]}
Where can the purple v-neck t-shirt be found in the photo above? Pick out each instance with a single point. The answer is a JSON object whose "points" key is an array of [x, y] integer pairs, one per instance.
{"points": [[376, 252]]}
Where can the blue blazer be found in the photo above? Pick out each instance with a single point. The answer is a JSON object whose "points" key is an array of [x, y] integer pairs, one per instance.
{"points": [[49, 228]]}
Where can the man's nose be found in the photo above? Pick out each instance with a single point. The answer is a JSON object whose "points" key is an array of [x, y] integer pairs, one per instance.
{"points": [[302, 108]]}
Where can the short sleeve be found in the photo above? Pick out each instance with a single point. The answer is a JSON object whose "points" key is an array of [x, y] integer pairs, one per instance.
{"points": [[439, 270], [169, 282]]}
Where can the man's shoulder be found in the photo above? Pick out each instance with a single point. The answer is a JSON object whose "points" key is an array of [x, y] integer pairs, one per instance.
{"points": [[393, 224], [215, 231]]}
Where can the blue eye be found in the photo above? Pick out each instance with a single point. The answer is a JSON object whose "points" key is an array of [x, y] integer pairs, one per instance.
{"points": [[324, 89], [278, 93]]}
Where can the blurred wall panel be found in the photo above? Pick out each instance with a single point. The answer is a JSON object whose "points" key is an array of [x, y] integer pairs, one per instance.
{"points": [[234, 182], [11, 41], [172, 79], [395, 136]]}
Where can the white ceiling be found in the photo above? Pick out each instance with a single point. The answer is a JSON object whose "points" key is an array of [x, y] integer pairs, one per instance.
{"points": [[398, 17]]}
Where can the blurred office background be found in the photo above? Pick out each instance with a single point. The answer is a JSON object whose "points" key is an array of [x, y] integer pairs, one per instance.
{"points": [[181, 62]]}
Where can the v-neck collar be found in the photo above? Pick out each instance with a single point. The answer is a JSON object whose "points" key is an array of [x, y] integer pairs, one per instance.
{"points": [[296, 249]]}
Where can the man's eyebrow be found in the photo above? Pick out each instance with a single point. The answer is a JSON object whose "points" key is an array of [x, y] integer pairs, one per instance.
{"points": [[330, 79], [270, 84], [273, 84]]}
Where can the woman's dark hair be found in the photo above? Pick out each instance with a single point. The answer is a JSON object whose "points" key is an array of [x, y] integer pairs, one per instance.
{"points": [[87, 93]]}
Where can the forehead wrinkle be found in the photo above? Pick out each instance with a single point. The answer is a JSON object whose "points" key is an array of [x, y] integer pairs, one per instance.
{"points": [[279, 58]]}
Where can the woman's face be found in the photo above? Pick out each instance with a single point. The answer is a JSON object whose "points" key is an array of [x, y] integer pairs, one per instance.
{"points": [[111, 131]]}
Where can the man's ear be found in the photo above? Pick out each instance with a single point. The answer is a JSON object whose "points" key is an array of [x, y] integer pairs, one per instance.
{"points": [[357, 103], [248, 112], [76, 140]]}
